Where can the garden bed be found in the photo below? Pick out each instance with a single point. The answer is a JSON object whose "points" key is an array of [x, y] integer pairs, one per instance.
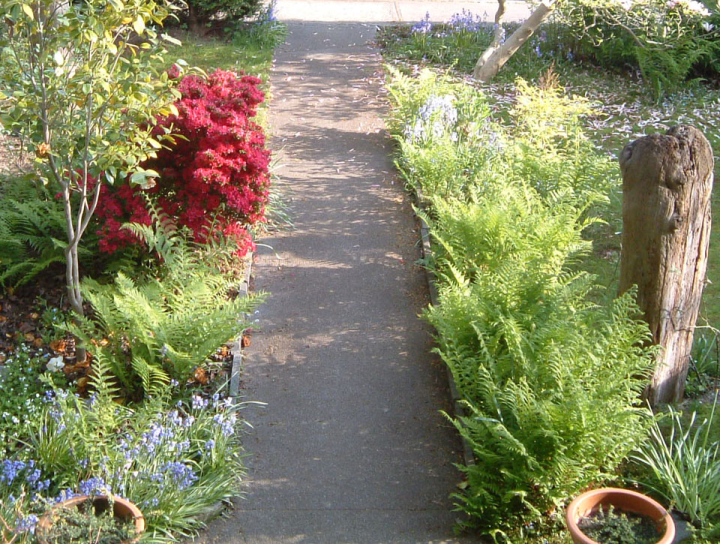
{"points": [[509, 170]]}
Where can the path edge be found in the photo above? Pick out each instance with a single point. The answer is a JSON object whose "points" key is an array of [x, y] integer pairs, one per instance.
{"points": [[233, 385], [426, 249]]}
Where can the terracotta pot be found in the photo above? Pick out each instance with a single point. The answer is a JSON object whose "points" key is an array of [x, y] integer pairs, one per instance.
{"points": [[621, 499], [122, 509]]}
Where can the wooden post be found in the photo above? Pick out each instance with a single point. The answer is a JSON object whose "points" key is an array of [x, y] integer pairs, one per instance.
{"points": [[667, 183]]}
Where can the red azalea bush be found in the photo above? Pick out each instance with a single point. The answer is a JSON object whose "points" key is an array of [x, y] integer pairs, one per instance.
{"points": [[214, 178]]}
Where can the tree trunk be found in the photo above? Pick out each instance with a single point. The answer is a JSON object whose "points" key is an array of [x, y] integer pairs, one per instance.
{"points": [[485, 71], [497, 40], [667, 184]]}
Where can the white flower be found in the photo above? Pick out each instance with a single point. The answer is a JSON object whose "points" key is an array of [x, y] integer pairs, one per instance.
{"points": [[55, 364], [708, 27], [697, 7]]}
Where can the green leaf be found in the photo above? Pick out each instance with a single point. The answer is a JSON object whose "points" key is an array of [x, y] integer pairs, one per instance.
{"points": [[28, 11], [139, 25], [170, 39], [117, 4]]}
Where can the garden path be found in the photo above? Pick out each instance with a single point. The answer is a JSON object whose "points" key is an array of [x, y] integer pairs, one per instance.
{"points": [[351, 446]]}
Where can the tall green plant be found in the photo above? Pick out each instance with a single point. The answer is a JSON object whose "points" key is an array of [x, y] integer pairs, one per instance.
{"points": [[551, 382], [32, 231], [161, 328], [685, 468], [79, 83]]}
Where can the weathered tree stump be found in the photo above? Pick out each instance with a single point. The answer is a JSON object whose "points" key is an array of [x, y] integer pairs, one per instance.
{"points": [[667, 183]]}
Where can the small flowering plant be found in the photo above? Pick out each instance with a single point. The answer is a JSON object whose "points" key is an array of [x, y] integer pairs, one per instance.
{"points": [[174, 459]]}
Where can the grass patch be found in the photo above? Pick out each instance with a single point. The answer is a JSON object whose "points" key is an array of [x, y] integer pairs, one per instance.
{"points": [[252, 56]]}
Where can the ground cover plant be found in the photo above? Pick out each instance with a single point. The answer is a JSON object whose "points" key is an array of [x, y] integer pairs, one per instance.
{"points": [[128, 399], [550, 380], [519, 183]]}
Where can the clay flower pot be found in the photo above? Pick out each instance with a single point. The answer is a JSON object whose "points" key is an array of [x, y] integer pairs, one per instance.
{"points": [[623, 500], [122, 509]]}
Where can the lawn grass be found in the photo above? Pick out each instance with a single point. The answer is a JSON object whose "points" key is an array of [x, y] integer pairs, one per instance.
{"points": [[254, 57]]}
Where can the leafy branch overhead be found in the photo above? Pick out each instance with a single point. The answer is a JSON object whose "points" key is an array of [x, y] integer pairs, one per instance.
{"points": [[81, 87]]}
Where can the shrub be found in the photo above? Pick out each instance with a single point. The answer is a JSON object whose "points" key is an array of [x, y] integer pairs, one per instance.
{"points": [[161, 328], [199, 13], [214, 178], [665, 39]]}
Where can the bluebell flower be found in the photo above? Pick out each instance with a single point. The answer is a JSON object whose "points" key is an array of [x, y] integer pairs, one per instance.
{"points": [[465, 21], [180, 474], [27, 524], [65, 495], [199, 403], [94, 486], [424, 26]]}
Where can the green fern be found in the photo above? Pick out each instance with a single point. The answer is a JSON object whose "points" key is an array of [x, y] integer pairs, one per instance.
{"points": [[162, 327], [32, 231]]}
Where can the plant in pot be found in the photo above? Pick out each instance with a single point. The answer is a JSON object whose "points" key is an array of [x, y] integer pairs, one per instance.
{"points": [[100, 519], [618, 516]]}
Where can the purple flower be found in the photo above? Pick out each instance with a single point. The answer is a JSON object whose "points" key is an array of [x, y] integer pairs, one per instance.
{"points": [[27, 524], [94, 486], [424, 26]]}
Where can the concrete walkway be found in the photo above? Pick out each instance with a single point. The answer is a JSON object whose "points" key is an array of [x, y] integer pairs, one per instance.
{"points": [[388, 11], [351, 447]]}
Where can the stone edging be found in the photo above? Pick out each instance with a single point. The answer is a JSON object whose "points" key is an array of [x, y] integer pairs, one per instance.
{"points": [[218, 508], [458, 408], [236, 349]]}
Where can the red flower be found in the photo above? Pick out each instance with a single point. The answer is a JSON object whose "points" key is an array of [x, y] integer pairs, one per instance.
{"points": [[216, 175]]}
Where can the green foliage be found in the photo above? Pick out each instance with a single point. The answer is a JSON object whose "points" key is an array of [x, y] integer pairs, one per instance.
{"points": [[86, 96], [265, 32], [685, 468], [83, 525], [32, 231], [460, 49], [550, 380], [174, 460], [610, 527], [666, 40], [162, 327], [203, 12], [23, 389]]}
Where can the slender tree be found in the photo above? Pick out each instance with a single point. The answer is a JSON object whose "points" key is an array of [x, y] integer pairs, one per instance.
{"points": [[80, 84]]}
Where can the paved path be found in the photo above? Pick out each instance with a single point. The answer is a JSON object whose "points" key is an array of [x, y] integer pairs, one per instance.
{"points": [[388, 11], [351, 447]]}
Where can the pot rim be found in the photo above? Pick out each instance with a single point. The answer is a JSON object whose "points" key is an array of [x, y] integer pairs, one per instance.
{"points": [[136, 515], [585, 502]]}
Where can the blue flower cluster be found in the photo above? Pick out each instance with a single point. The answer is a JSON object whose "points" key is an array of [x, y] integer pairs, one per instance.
{"points": [[434, 118], [24, 473], [424, 26], [465, 21], [27, 524], [94, 486], [179, 474]]}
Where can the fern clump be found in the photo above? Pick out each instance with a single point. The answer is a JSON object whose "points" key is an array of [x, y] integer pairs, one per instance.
{"points": [[162, 327], [32, 231], [551, 381]]}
